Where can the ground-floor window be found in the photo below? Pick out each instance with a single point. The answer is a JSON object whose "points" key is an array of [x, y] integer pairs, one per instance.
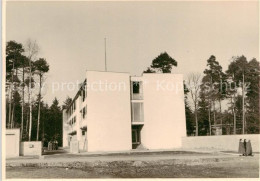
{"points": [[135, 136]]}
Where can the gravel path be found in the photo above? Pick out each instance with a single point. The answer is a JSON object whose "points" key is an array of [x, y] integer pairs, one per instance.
{"points": [[241, 167]]}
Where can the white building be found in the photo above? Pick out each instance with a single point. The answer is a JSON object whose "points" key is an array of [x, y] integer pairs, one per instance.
{"points": [[117, 112]]}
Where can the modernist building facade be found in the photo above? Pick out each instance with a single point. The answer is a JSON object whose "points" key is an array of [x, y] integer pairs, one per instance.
{"points": [[118, 112]]}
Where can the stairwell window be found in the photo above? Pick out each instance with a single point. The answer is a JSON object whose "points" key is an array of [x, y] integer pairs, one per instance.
{"points": [[137, 112], [137, 90]]}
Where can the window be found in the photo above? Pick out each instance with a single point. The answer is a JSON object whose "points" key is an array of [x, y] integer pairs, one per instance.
{"points": [[83, 95], [135, 136], [83, 112], [137, 90], [136, 87], [137, 112], [83, 133]]}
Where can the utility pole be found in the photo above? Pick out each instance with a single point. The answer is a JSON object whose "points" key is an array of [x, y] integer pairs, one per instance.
{"points": [[105, 54]]}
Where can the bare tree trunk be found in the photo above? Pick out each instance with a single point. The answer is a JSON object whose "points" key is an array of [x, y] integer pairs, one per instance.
{"points": [[196, 118], [213, 101], [38, 123], [27, 120], [12, 122], [10, 105], [43, 133], [30, 101], [234, 110], [194, 84], [243, 105], [11, 99], [214, 113], [39, 109], [209, 120], [234, 115], [32, 49], [220, 113], [21, 137], [14, 86]]}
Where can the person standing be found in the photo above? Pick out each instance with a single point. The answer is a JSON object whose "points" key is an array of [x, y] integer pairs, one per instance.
{"points": [[241, 149], [245, 154], [249, 150]]}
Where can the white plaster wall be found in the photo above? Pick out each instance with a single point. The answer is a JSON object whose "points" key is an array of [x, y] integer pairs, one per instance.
{"points": [[65, 127], [12, 142], [108, 112], [31, 148], [223, 142], [78, 117], [164, 111]]}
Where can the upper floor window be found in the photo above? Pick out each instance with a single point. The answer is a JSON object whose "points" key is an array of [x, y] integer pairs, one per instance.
{"points": [[83, 95], [137, 90], [136, 87], [84, 111]]}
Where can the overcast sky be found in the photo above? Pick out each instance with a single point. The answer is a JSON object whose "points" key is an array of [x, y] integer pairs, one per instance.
{"points": [[71, 35]]}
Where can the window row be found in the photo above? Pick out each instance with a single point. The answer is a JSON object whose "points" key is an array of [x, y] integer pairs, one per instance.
{"points": [[73, 121], [83, 94], [83, 112], [72, 108]]}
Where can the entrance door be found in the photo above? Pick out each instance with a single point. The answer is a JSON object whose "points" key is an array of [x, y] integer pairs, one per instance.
{"points": [[135, 138]]}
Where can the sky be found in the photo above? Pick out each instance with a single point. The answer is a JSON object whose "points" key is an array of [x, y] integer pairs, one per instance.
{"points": [[71, 35]]}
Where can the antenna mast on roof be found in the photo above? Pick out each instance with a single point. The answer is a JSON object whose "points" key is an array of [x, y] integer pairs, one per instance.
{"points": [[105, 54]]}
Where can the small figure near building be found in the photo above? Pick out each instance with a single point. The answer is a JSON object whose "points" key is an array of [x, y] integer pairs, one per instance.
{"points": [[241, 148], [245, 147], [249, 148]]}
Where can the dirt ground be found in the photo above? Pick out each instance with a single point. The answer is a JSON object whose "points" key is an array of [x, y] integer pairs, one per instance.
{"points": [[242, 167]]}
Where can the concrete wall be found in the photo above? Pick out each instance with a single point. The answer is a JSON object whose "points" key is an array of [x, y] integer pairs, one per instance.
{"points": [[164, 111], [31, 148], [223, 142], [108, 111], [12, 142], [74, 146]]}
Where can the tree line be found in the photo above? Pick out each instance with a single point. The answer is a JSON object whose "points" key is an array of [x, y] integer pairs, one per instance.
{"points": [[205, 93], [25, 109], [237, 89]]}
